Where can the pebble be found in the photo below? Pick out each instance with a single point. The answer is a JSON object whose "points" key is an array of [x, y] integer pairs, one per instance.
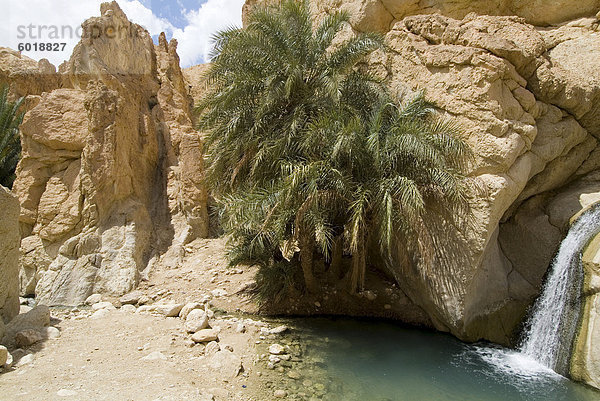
{"points": [[51, 333], [276, 349], [280, 394], [128, 308], [66, 393], [279, 330], [240, 328], [293, 375], [154, 356], [26, 360], [185, 311], [317, 304], [387, 306], [212, 348]]}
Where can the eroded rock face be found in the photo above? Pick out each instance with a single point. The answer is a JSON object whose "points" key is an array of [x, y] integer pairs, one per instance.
{"points": [[97, 167], [9, 257]]}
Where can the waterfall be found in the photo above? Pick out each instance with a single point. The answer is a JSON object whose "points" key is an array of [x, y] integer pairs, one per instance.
{"points": [[551, 328]]}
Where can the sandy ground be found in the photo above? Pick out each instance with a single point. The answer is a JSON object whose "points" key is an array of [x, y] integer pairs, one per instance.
{"points": [[102, 359]]}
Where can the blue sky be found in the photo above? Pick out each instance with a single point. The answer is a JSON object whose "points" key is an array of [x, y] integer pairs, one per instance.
{"points": [[191, 22]]}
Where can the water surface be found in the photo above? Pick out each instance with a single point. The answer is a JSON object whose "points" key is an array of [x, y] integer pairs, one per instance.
{"points": [[368, 361]]}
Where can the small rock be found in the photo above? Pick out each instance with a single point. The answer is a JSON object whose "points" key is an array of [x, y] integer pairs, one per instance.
{"points": [[205, 335], [24, 309], [387, 306], [285, 357], [154, 356], [370, 295], [103, 305], [3, 355], [274, 359], [185, 311], [212, 348], [128, 308], [169, 310], [293, 375], [196, 320], [317, 304], [26, 359], [278, 329], [226, 365], [280, 394], [93, 299], [240, 328], [144, 299], [276, 349], [270, 365], [23, 301], [99, 314], [50, 333], [66, 393], [131, 298], [9, 361], [28, 337], [219, 292]]}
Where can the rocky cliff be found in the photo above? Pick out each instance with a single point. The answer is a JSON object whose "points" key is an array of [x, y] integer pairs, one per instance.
{"points": [[522, 79], [109, 178]]}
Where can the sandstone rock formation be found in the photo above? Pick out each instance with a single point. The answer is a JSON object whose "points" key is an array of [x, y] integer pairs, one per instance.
{"points": [[110, 175], [9, 257], [526, 96]]}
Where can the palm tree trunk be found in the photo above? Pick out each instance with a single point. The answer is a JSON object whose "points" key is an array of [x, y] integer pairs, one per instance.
{"points": [[359, 267], [335, 268], [306, 260]]}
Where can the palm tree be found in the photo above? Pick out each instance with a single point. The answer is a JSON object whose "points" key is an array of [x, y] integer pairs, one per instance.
{"points": [[10, 142], [272, 84], [408, 164]]}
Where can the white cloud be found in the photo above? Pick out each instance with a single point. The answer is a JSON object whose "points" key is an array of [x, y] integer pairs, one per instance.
{"points": [[195, 39], [59, 21]]}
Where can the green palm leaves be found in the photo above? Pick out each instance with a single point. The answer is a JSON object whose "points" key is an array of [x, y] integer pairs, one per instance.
{"points": [[10, 142], [311, 160]]}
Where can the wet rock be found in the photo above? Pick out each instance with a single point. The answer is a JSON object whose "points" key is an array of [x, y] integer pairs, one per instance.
{"points": [[278, 329], [280, 394], [293, 375], [205, 335]]}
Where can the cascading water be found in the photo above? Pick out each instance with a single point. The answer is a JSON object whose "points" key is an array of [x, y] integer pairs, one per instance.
{"points": [[551, 328]]}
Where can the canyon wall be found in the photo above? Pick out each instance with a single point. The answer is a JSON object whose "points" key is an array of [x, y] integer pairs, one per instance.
{"points": [[109, 181]]}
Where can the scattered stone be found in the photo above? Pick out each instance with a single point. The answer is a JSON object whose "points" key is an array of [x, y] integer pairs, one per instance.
{"points": [[144, 299], [228, 348], [93, 299], [219, 292], [212, 348], [50, 333], [285, 357], [167, 310], [227, 364], [270, 365], [185, 311], [103, 305], [276, 349], [205, 335], [370, 295], [240, 328], [196, 320], [27, 337], [23, 301], [26, 359], [66, 393], [317, 304], [128, 308], [3, 355], [274, 359], [280, 394], [387, 306], [154, 356], [278, 329], [99, 314], [292, 374], [131, 298], [9, 361]]}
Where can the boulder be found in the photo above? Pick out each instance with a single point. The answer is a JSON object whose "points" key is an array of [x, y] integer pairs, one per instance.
{"points": [[36, 319], [196, 320], [225, 364], [9, 255], [26, 338]]}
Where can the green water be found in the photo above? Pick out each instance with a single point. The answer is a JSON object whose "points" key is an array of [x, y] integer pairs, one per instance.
{"points": [[385, 362]]}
